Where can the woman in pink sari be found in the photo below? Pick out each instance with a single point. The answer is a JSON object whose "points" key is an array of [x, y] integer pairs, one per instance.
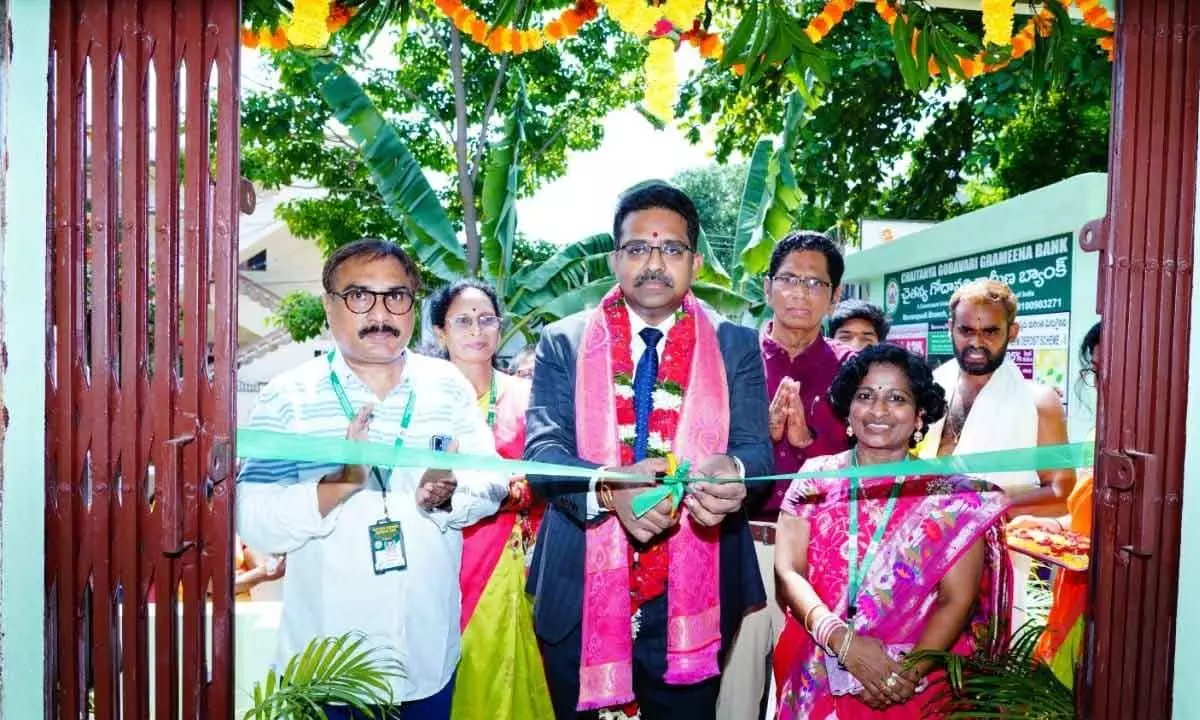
{"points": [[876, 568], [500, 675]]}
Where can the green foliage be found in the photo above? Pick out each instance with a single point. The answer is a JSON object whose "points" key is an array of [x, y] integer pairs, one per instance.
{"points": [[875, 148], [396, 174], [715, 189], [1013, 684], [329, 670], [301, 314], [1030, 149], [288, 136]]}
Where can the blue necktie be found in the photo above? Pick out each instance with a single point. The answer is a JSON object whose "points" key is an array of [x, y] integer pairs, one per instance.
{"points": [[643, 391]]}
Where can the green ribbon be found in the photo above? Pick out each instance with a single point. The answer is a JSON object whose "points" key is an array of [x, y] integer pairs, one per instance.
{"points": [[672, 486], [269, 445]]}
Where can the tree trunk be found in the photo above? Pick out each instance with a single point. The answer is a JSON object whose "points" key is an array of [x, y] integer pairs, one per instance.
{"points": [[466, 187]]}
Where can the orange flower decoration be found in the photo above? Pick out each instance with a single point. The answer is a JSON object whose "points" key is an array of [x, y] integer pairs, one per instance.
{"points": [[508, 39], [279, 39]]}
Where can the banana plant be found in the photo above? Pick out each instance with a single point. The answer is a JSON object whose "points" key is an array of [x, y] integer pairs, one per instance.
{"points": [[402, 184], [770, 200], [578, 275]]}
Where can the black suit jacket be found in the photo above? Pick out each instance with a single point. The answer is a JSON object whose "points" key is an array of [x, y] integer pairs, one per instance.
{"points": [[556, 577]]}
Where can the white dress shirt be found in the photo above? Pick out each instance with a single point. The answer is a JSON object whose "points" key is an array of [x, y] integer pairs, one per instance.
{"points": [[330, 587], [636, 348]]}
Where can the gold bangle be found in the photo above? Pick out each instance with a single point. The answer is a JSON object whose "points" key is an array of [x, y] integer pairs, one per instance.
{"points": [[606, 496]]}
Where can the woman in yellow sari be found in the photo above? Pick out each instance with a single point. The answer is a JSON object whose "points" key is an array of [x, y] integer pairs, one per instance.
{"points": [[1061, 645], [500, 675]]}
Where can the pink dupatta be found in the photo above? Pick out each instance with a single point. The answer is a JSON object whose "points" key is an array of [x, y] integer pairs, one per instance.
{"points": [[693, 591]]}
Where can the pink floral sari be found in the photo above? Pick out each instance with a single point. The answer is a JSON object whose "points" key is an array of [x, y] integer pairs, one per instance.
{"points": [[937, 518]]}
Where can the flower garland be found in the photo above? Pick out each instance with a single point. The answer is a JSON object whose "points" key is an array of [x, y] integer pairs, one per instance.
{"points": [[662, 79], [998, 18], [1097, 16], [665, 25], [830, 15], [648, 569], [508, 39], [1040, 25], [670, 384], [308, 27], [313, 21]]}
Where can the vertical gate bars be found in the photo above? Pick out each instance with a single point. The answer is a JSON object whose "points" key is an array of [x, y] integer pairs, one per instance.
{"points": [[141, 241], [1147, 246]]}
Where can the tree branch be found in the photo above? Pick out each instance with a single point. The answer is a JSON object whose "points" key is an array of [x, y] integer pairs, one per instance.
{"points": [[562, 127], [466, 187], [488, 109]]}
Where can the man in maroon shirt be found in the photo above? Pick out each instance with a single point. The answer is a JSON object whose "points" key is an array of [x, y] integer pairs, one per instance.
{"points": [[802, 284]]}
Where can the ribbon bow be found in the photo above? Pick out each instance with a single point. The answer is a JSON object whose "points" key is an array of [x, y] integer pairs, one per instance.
{"points": [[673, 486]]}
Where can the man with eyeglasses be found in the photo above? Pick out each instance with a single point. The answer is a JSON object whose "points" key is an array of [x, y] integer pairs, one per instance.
{"points": [[802, 285], [372, 550], [632, 611]]}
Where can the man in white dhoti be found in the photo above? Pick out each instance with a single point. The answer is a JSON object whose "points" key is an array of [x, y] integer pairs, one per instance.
{"points": [[991, 406]]}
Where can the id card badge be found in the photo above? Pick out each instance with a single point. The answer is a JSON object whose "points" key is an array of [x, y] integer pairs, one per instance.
{"points": [[387, 547], [841, 680]]}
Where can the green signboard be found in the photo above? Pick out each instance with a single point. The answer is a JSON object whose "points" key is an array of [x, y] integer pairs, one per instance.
{"points": [[917, 301]]}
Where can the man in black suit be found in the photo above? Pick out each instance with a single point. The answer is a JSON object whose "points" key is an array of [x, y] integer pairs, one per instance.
{"points": [[656, 229]]}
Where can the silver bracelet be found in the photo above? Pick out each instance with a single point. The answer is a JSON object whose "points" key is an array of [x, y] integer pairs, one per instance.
{"points": [[844, 650]]}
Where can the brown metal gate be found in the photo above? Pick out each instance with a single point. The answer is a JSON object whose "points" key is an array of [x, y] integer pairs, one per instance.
{"points": [[141, 339], [1147, 262]]}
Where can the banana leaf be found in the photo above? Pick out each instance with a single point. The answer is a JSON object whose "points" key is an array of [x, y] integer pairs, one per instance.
{"points": [[405, 190], [571, 267]]}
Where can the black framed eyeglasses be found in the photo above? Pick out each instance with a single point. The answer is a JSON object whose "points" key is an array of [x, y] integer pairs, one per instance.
{"points": [[642, 249], [801, 283], [360, 301]]}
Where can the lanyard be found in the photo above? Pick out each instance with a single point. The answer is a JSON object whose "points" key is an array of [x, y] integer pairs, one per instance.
{"points": [[348, 409], [491, 411], [858, 572]]}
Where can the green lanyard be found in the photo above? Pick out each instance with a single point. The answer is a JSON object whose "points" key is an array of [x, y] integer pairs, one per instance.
{"points": [[491, 413], [858, 572], [347, 408]]}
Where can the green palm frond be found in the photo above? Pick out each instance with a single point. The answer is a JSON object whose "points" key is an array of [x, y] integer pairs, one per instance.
{"points": [[1011, 684], [329, 670]]}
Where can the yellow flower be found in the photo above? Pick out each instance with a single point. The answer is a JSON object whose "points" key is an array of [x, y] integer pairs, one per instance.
{"points": [[633, 16], [308, 28], [682, 13], [997, 21], [662, 83]]}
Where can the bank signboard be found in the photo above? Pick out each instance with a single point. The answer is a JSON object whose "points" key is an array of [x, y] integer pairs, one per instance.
{"points": [[917, 300]]}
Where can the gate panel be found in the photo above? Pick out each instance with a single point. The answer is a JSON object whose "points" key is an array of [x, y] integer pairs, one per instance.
{"points": [[1147, 261], [141, 338]]}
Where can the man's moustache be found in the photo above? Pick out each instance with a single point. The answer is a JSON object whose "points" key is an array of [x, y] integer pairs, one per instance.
{"points": [[378, 328], [654, 277]]}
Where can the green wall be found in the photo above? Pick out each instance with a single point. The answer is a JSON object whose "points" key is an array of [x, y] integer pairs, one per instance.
{"points": [[1062, 207], [1187, 621], [22, 529]]}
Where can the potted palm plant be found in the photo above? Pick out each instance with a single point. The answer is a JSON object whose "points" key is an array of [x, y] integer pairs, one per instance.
{"points": [[329, 670]]}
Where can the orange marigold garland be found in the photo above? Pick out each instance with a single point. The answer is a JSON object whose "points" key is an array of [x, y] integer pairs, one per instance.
{"points": [[1040, 25], [1097, 16], [508, 39], [830, 15]]}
